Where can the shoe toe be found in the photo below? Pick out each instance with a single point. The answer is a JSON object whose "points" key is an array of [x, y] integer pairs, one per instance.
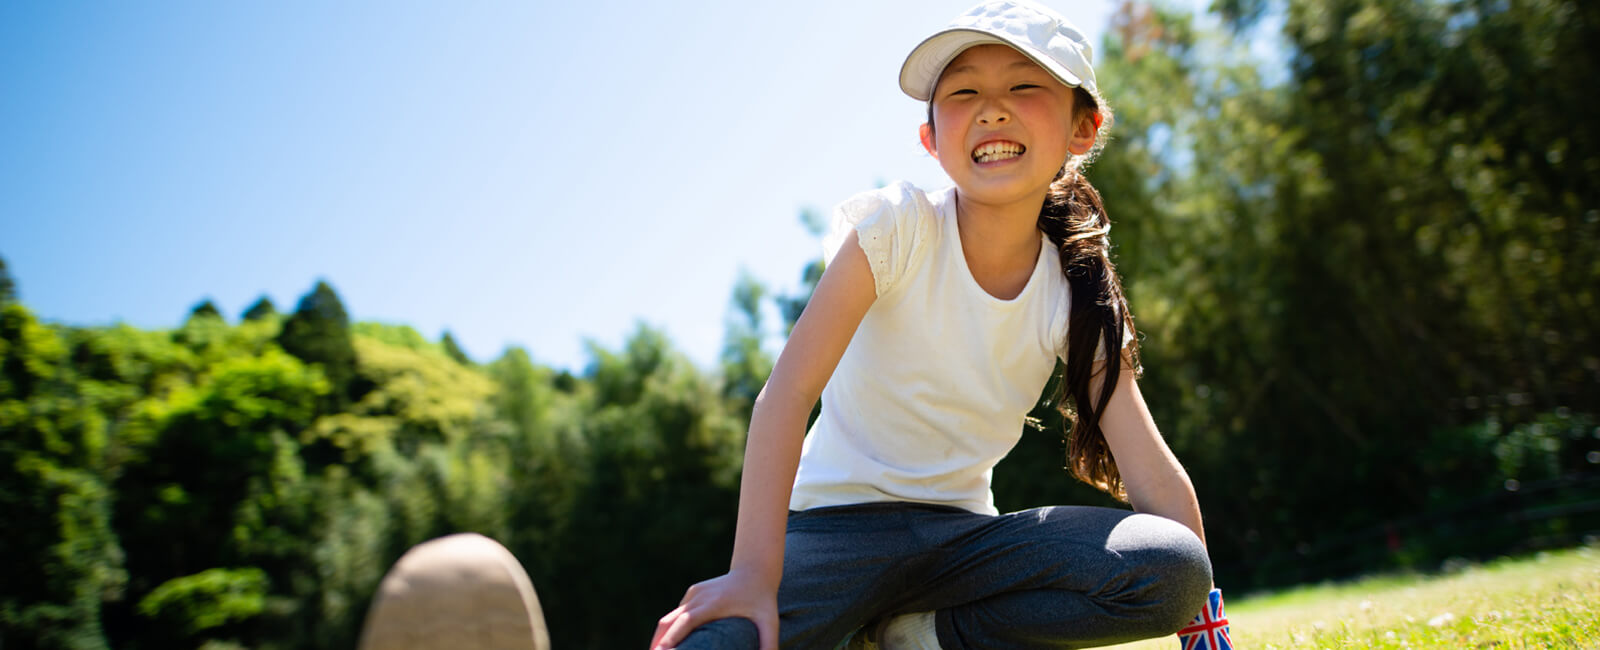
{"points": [[459, 591]]}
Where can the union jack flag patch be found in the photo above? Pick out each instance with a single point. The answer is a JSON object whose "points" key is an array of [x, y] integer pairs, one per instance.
{"points": [[1209, 629]]}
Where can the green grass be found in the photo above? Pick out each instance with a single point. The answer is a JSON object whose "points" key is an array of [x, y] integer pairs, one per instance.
{"points": [[1551, 600]]}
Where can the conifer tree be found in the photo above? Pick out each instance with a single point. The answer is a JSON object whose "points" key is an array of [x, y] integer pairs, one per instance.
{"points": [[454, 350], [745, 366], [791, 305], [206, 309], [8, 288], [319, 332], [262, 309]]}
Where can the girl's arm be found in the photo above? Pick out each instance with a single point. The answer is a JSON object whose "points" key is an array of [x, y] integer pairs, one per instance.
{"points": [[1155, 482], [772, 455]]}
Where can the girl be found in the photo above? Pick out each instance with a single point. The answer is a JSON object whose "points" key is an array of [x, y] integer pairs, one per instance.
{"points": [[936, 325]]}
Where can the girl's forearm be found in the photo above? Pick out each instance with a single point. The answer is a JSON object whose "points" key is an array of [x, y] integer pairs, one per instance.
{"points": [[771, 458], [1155, 481], [1173, 497]]}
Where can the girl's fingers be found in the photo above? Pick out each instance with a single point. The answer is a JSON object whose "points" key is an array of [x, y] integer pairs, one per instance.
{"points": [[769, 635], [664, 625], [678, 631]]}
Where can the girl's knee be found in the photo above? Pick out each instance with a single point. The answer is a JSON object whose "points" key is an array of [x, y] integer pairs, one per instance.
{"points": [[1176, 571], [1186, 578], [1164, 543]]}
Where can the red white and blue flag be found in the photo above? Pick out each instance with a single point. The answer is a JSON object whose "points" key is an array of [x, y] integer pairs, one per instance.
{"points": [[1209, 629]]}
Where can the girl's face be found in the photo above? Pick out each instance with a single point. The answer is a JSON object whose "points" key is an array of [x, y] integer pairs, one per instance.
{"points": [[1002, 126]]}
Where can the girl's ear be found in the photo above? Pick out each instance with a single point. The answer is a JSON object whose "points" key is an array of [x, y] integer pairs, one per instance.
{"points": [[926, 133], [1084, 134]]}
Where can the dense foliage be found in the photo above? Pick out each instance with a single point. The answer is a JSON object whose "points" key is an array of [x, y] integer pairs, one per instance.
{"points": [[201, 486], [1366, 291]]}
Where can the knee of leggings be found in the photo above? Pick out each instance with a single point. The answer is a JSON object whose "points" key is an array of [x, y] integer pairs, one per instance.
{"points": [[1180, 573], [1185, 578], [723, 634]]}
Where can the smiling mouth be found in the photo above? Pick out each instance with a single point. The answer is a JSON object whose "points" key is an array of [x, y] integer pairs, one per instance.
{"points": [[994, 151]]}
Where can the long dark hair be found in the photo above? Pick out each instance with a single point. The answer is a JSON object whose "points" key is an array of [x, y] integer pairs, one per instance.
{"points": [[1075, 220]]}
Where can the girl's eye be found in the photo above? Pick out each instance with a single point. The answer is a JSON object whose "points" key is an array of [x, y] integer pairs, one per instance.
{"points": [[1024, 86], [964, 91]]}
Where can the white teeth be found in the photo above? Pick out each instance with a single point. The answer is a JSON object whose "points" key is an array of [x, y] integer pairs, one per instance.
{"points": [[997, 151]]}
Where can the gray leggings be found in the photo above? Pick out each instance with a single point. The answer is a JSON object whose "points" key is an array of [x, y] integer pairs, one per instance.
{"points": [[1059, 577]]}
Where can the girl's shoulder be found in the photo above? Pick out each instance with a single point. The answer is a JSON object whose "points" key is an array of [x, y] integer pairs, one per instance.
{"points": [[895, 224]]}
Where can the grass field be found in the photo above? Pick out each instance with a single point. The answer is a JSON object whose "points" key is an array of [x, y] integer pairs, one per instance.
{"points": [[1551, 600]]}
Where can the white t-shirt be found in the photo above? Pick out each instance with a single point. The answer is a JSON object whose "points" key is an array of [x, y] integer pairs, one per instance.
{"points": [[934, 387]]}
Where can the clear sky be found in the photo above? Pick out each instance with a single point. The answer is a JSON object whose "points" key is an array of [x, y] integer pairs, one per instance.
{"points": [[529, 173]]}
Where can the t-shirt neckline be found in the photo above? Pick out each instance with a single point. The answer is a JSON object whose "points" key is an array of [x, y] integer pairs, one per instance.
{"points": [[948, 213]]}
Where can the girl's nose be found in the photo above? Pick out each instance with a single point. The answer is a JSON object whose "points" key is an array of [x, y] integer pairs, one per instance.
{"points": [[992, 115]]}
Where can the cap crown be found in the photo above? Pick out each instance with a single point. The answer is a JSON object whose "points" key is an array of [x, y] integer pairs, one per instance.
{"points": [[1038, 32]]}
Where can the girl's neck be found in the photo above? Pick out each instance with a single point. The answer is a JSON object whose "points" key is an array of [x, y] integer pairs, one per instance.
{"points": [[993, 233], [1000, 244]]}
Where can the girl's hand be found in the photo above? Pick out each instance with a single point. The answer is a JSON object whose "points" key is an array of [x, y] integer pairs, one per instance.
{"points": [[772, 455], [736, 594]]}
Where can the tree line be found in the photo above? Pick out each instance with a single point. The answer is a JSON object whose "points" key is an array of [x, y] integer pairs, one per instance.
{"points": [[229, 485], [1365, 286]]}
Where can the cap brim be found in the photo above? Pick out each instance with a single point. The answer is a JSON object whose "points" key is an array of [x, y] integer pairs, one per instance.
{"points": [[927, 61]]}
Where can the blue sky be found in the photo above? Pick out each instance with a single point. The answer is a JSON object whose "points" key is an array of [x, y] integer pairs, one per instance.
{"points": [[535, 174]]}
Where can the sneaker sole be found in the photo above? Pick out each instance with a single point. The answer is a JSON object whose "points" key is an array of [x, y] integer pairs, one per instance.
{"points": [[459, 591]]}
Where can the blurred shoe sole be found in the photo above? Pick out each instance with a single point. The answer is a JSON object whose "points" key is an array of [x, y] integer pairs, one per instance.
{"points": [[460, 591]]}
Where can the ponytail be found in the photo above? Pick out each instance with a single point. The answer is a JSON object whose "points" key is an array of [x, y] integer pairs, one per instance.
{"points": [[1075, 221]]}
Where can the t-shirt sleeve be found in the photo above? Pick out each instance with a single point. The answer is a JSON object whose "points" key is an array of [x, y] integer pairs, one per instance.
{"points": [[891, 223], [1127, 337], [1063, 321]]}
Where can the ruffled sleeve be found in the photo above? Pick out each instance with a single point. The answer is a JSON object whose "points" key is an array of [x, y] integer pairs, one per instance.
{"points": [[1127, 336], [1062, 321], [892, 223]]}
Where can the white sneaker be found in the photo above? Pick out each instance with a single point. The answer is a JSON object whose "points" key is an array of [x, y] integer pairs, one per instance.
{"points": [[460, 591], [910, 632], [904, 632]]}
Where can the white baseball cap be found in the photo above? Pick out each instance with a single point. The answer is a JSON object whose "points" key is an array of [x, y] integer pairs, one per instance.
{"points": [[1039, 33]]}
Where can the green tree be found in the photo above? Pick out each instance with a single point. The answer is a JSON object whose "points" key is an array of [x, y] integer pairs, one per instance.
{"points": [[745, 366], [1340, 278], [206, 309], [8, 287], [262, 309], [63, 554], [792, 305], [549, 454], [208, 599], [453, 350], [319, 333], [179, 506], [663, 465]]}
